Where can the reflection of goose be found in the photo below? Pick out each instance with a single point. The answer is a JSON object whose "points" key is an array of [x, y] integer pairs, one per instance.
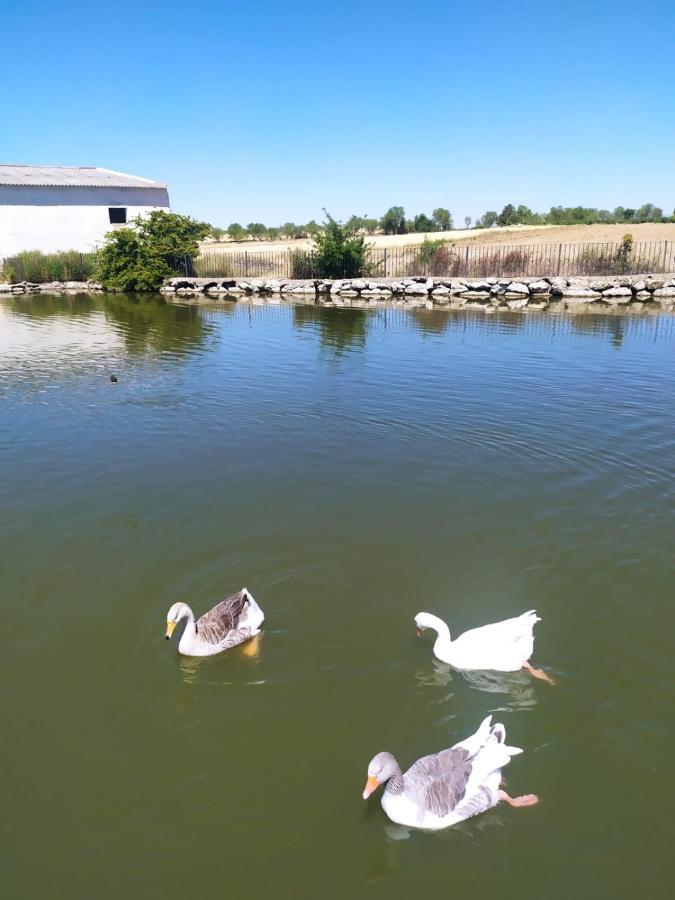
{"points": [[231, 622], [502, 647], [447, 787]]}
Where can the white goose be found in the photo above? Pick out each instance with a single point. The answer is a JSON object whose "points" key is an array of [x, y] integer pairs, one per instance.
{"points": [[447, 787], [232, 621], [502, 647]]}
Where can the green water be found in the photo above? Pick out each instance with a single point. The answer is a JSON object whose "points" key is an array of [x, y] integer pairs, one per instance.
{"points": [[350, 468]]}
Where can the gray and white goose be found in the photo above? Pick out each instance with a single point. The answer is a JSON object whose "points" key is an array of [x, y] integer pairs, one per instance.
{"points": [[231, 622], [447, 787]]}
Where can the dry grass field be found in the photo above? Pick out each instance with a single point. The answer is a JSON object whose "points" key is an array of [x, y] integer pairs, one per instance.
{"points": [[515, 234]]}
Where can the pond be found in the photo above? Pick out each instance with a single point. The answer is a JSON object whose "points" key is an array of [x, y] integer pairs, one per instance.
{"points": [[351, 468]]}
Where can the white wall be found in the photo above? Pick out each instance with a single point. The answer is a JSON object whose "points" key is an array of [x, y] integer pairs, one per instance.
{"points": [[66, 218]]}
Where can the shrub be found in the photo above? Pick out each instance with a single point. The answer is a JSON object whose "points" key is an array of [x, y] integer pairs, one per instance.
{"points": [[139, 259], [339, 252], [32, 265], [435, 258]]}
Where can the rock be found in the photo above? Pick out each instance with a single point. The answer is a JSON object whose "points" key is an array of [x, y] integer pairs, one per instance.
{"points": [[308, 288], [601, 284], [558, 285], [74, 286], [477, 286], [5, 287], [498, 289], [456, 287], [348, 292], [639, 285], [618, 295], [416, 288], [429, 284], [653, 284], [517, 303], [579, 294], [273, 286], [440, 291], [358, 284], [517, 287], [52, 286], [539, 287], [167, 289], [664, 293]]}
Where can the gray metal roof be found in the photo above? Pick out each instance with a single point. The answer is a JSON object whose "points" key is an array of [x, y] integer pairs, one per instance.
{"points": [[71, 176]]}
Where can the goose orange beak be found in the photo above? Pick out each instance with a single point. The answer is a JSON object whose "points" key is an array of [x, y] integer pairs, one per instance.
{"points": [[371, 785], [169, 629]]}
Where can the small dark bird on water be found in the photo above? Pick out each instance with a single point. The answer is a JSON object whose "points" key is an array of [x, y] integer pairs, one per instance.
{"points": [[113, 378]]}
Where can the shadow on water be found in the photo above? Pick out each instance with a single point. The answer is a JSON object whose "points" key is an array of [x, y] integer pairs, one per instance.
{"points": [[339, 329]]}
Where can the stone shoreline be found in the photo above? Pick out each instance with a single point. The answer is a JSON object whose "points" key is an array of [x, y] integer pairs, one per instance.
{"points": [[51, 287], [532, 293]]}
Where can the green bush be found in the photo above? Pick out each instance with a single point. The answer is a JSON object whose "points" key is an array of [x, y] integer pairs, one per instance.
{"points": [[32, 265], [139, 259], [339, 252], [435, 257]]}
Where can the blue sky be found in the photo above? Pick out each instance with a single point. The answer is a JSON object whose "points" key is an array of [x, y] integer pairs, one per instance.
{"points": [[269, 111]]}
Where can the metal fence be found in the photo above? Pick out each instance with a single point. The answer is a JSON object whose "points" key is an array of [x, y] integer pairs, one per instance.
{"points": [[460, 259]]}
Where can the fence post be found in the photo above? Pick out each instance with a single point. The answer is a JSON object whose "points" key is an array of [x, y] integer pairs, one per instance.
{"points": [[559, 258], [245, 263], [385, 262]]}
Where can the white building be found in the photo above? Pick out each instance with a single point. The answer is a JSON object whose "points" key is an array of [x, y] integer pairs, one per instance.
{"points": [[52, 208]]}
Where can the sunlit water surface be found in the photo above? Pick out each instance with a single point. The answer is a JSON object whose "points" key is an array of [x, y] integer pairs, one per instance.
{"points": [[351, 468]]}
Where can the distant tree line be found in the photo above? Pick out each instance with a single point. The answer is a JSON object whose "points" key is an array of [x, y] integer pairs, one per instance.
{"points": [[572, 215], [394, 221]]}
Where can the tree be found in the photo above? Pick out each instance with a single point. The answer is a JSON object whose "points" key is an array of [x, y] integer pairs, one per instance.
{"points": [[236, 231], [393, 221], [312, 228], [487, 220], [339, 252], [442, 219], [508, 215], [467, 222], [140, 258], [371, 225], [422, 223], [273, 233], [356, 223], [217, 233], [257, 230]]}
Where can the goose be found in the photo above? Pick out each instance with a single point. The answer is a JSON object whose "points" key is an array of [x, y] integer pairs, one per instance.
{"points": [[447, 787], [502, 647], [232, 621]]}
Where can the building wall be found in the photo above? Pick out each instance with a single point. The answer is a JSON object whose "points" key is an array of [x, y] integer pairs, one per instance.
{"points": [[67, 218]]}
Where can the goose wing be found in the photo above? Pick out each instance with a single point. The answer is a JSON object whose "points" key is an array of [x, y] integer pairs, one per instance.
{"points": [[220, 622], [438, 782]]}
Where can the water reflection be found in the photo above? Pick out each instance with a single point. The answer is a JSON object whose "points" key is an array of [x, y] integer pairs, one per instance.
{"points": [[206, 669], [517, 686], [339, 329], [150, 323]]}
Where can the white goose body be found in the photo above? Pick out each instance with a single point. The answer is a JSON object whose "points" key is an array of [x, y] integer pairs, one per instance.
{"points": [[502, 647], [231, 622], [447, 787]]}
